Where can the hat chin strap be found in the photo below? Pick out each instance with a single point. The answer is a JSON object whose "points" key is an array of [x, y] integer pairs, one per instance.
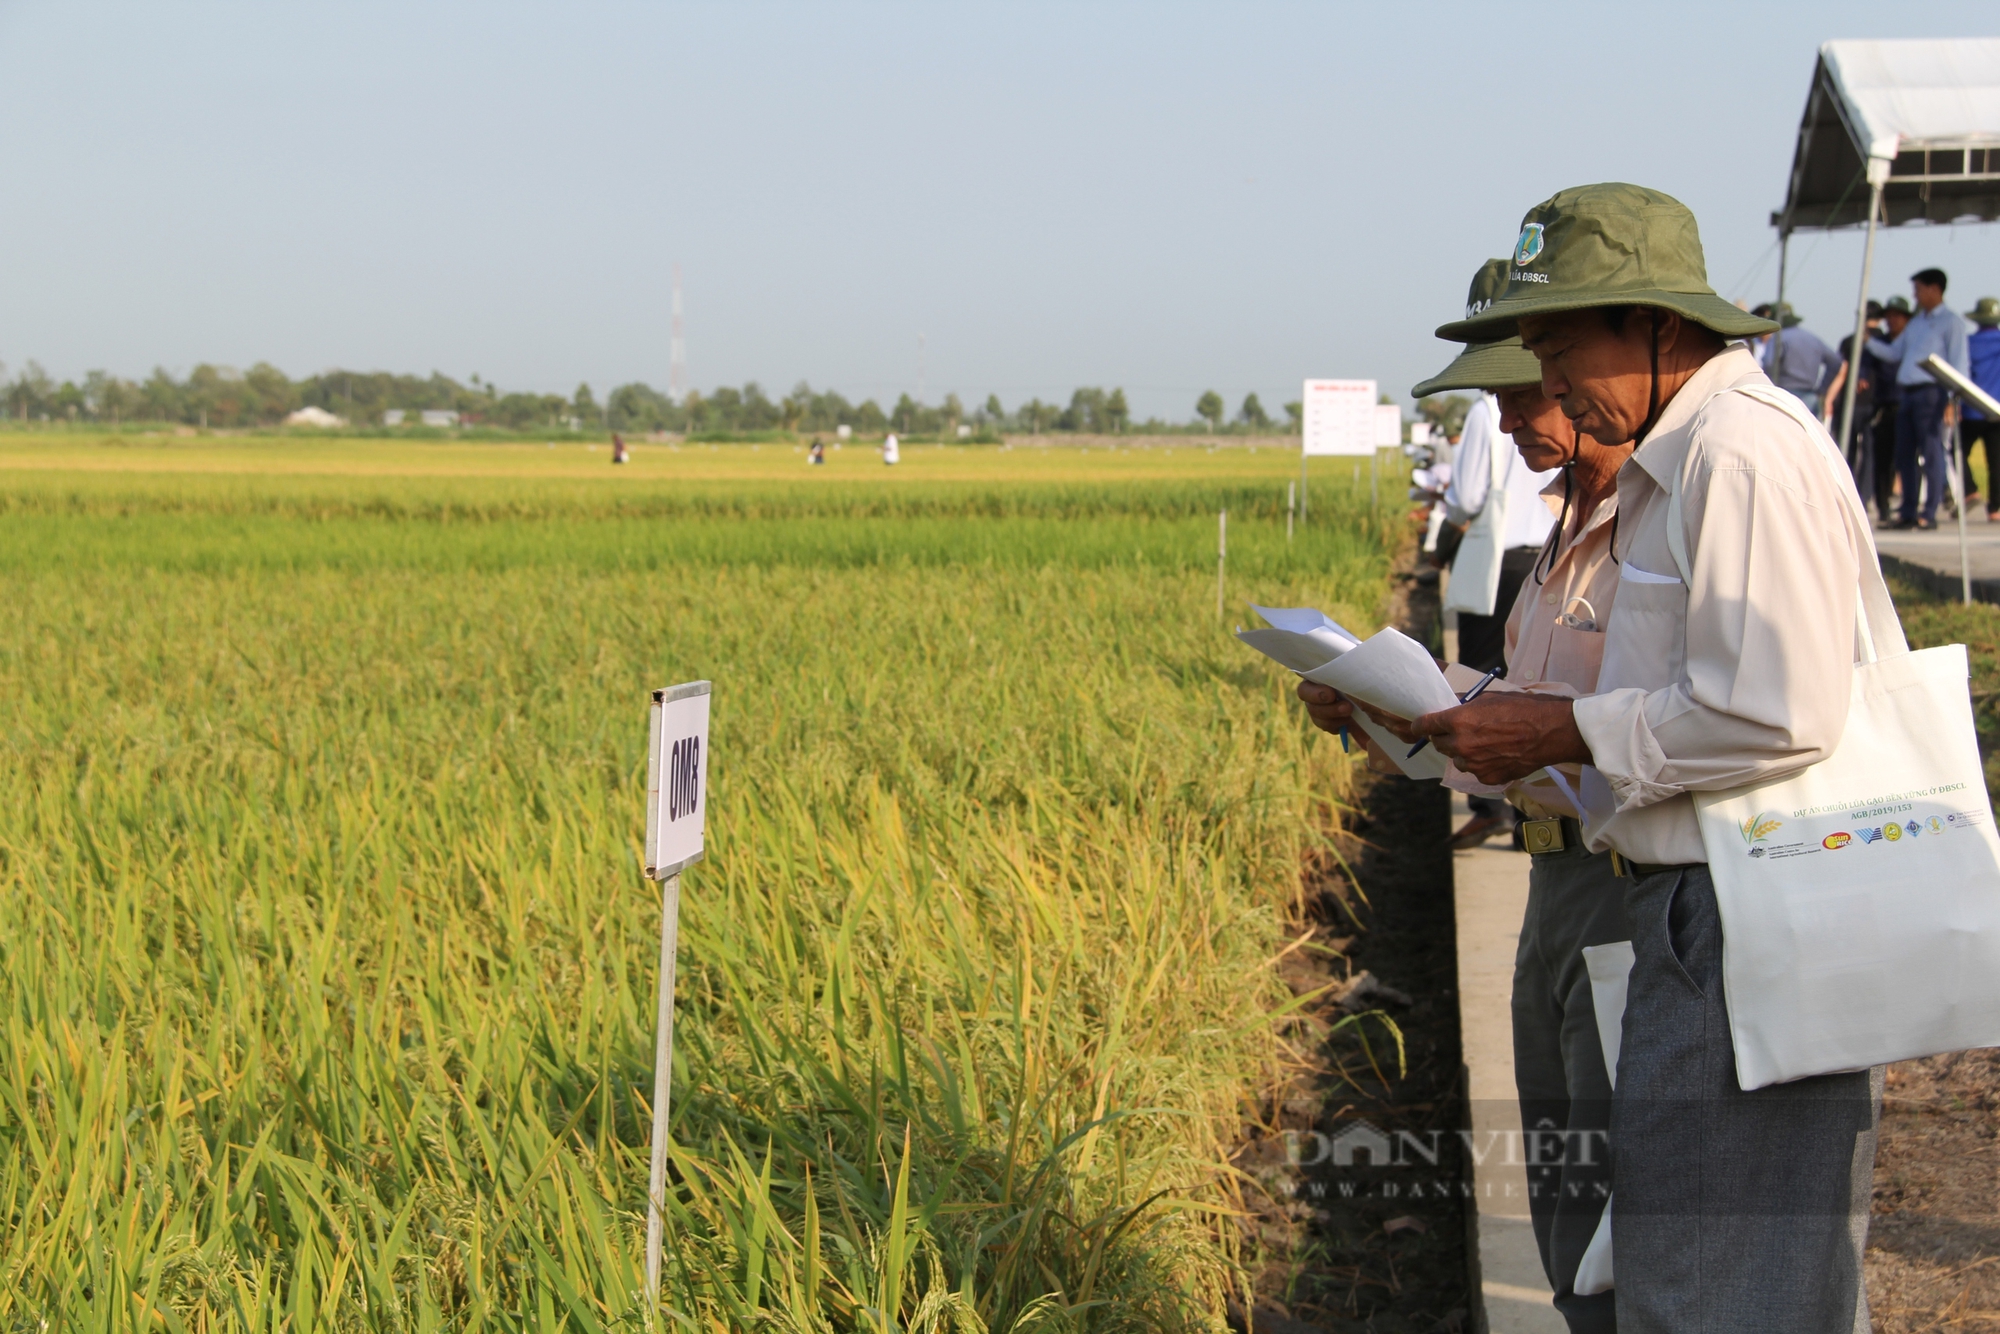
{"points": [[1653, 393]]}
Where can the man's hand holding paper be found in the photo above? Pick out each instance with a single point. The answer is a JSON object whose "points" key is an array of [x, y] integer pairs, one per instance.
{"points": [[1501, 737], [1389, 672]]}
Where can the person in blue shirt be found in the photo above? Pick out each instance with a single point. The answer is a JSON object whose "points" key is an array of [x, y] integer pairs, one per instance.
{"points": [[1797, 359], [1983, 350], [1920, 416]]}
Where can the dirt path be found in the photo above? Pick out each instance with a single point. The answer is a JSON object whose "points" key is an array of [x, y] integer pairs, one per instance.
{"points": [[1934, 1242], [1346, 1243]]}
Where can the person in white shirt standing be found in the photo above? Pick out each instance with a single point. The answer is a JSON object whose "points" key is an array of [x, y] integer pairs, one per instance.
{"points": [[1728, 660], [1482, 640], [891, 453]]}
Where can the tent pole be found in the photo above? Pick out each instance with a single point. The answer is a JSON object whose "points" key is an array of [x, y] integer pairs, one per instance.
{"points": [[1778, 338], [1878, 175]]}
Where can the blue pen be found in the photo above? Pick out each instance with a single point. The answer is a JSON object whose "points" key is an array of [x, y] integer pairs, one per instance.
{"points": [[1466, 698]]}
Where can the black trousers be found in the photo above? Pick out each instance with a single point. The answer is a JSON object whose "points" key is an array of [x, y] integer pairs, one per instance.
{"points": [[1861, 451], [1482, 641], [1920, 450], [1885, 458]]}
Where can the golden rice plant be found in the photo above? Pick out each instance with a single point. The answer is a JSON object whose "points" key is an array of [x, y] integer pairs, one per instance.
{"points": [[326, 964]]}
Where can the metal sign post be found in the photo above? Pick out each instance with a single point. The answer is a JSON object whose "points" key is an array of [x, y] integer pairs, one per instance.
{"points": [[1221, 562], [1966, 391], [676, 810]]}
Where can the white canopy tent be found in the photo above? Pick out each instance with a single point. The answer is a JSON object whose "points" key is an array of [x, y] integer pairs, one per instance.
{"points": [[1894, 133]]}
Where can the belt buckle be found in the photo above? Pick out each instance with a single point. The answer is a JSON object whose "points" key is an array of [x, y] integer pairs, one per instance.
{"points": [[1621, 868], [1544, 835]]}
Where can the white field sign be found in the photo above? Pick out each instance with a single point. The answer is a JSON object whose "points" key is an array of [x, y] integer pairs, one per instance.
{"points": [[677, 779], [1339, 417], [676, 809], [1388, 426]]}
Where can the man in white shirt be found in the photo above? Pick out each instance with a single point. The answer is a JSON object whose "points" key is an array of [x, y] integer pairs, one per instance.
{"points": [[1735, 1212]]}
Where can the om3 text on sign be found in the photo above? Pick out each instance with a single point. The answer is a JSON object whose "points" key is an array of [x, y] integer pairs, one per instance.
{"points": [[677, 779]]}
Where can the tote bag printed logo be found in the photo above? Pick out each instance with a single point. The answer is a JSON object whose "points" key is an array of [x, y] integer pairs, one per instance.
{"points": [[1760, 827], [1843, 962]]}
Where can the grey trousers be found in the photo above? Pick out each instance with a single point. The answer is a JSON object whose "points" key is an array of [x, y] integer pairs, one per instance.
{"points": [[1734, 1211], [1574, 900]]}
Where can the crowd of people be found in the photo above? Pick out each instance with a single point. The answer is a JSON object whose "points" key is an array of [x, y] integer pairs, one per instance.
{"points": [[1896, 445], [1683, 569]]}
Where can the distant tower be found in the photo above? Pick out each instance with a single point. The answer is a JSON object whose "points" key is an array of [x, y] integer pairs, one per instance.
{"points": [[921, 341], [677, 348]]}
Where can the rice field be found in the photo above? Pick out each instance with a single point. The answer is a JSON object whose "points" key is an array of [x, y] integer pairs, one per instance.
{"points": [[327, 965]]}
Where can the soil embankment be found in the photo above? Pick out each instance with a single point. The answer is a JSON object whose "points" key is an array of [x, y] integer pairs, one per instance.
{"points": [[1358, 1194]]}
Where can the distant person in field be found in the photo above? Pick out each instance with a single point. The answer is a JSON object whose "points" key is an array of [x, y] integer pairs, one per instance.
{"points": [[817, 454], [619, 453], [891, 453]]}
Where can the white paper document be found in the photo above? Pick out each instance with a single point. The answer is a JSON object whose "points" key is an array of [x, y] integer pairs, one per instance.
{"points": [[1300, 637], [1389, 670]]}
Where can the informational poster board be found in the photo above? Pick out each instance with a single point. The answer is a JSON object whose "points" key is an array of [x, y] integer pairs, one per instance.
{"points": [[677, 779], [1388, 426], [1339, 417]]}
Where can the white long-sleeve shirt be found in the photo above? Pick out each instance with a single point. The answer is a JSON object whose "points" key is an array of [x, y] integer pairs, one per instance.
{"points": [[1746, 675], [1528, 519]]}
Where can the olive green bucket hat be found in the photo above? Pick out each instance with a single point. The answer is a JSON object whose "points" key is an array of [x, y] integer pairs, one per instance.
{"points": [[1498, 365], [1607, 245], [1987, 312]]}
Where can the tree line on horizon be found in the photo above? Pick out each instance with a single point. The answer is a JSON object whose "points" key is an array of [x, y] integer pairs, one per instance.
{"points": [[218, 397]]}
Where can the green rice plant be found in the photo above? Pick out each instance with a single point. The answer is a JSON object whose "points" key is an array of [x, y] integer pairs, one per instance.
{"points": [[326, 965]]}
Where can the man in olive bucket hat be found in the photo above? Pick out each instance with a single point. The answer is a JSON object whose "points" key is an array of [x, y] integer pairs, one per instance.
{"points": [[1554, 637], [1731, 1210]]}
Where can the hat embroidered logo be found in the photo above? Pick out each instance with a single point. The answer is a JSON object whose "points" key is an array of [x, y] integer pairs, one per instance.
{"points": [[1529, 248]]}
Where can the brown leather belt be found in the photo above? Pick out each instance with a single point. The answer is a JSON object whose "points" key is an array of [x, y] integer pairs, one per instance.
{"points": [[1632, 870]]}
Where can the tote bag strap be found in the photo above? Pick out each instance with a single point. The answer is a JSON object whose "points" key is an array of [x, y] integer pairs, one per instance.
{"points": [[1878, 631]]}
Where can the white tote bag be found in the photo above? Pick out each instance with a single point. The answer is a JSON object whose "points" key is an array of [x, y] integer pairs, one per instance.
{"points": [[1860, 898], [1475, 571]]}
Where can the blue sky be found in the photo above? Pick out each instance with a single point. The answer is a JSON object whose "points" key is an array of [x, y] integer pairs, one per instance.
{"points": [[1165, 197]]}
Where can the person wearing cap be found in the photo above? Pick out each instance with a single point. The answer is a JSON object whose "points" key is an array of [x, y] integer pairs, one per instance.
{"points": [[1861, 456], [1982, 351], [1732, 1211], [1920, 416], [1896, 312], [1797, 359], [1554, 642], [1482, 640]]}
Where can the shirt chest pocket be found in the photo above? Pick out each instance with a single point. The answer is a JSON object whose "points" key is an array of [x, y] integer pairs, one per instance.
{"points": [[1645, 644], [1575, 657]]}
